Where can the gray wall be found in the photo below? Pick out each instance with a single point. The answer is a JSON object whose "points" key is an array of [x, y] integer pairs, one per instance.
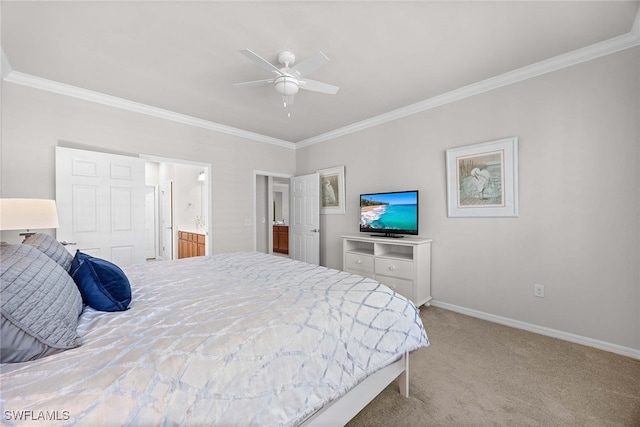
{"points": [[579, 227], [35, 121]]}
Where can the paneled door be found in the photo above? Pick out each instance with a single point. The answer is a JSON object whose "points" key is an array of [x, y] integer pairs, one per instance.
{"points": [[101, 204], [304, 241]]}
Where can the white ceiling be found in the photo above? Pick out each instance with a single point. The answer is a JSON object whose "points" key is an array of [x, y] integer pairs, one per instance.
{"points": [[384, 55]]}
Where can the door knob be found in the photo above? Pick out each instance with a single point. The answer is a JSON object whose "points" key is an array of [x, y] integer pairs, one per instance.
{"points": [[315, 230], [65, 243]]}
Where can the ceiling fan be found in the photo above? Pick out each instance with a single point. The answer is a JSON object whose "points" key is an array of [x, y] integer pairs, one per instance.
{"points": [[289, 79]]}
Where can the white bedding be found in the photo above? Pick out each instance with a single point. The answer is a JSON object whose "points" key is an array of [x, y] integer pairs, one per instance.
{"points": [[231, 339]]}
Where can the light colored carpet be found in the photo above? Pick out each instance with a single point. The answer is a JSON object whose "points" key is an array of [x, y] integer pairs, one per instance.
{"points": [[478, 373]]}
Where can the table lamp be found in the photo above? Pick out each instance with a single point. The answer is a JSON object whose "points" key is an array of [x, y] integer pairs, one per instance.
{"points": [[28, 214]]}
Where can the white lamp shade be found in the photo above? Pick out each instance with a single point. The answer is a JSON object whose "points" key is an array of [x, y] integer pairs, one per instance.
{"points": [[28, 214]]}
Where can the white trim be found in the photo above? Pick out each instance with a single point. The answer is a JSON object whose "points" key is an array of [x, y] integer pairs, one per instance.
{"points": [[112, 101], [162, 159], [566, 336], [594, 51]]}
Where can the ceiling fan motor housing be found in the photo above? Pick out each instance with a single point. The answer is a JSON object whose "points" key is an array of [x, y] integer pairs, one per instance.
{"points": [[286, 58]]}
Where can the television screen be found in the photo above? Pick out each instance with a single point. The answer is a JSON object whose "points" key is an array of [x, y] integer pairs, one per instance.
{"points": [[392, 214]]}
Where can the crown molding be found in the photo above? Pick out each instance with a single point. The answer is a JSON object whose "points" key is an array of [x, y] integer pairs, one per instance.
{"points": [[124, 104], [597, 50], [578, 56]]}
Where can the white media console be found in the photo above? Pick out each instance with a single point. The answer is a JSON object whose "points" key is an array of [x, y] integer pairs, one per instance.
{"points": [[403, 264]]}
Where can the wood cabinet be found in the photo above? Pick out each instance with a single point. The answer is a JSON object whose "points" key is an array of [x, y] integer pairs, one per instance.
{"points": [[190, 244], [281, 239], [403, 264]]}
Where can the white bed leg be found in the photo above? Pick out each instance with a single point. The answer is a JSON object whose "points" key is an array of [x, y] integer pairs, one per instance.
{"points": [[403, 379]]}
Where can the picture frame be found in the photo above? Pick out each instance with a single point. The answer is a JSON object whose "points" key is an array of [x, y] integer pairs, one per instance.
{"points": [[482, 179], [332, 193]]}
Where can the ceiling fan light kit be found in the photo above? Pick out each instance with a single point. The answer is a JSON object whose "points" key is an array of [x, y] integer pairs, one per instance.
{"points": [[286, 85], [288, 80]]}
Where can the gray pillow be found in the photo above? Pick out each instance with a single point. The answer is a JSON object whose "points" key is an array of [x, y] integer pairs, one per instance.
{"points": [[52, 248], [40, 305]]}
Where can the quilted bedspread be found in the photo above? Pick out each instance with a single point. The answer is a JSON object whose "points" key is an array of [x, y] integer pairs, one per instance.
{"points": [[230, 339]]}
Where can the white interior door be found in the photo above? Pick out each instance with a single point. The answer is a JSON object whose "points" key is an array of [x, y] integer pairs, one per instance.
{"points": [[304, 239], [101, 204]]}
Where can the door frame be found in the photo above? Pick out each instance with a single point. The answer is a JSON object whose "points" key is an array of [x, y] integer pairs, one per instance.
{"points": [[156, 240], [269, 223]]}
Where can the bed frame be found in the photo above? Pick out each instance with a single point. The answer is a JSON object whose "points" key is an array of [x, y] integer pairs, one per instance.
{"points": [[339, 412]]}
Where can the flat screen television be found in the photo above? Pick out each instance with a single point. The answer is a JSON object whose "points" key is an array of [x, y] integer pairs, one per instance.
{"points": [[390, 214]]}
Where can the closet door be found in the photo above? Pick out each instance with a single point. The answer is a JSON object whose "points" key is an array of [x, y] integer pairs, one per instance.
{"points": [[101, 204]]}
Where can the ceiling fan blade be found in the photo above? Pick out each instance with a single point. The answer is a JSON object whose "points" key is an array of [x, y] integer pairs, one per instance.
{"points": [[309, 65], [317, 86], [261, 62], [255, 82]]}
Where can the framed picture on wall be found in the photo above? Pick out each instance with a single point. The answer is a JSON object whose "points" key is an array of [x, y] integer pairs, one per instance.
{"points": [[482, 179], [332, 197]]}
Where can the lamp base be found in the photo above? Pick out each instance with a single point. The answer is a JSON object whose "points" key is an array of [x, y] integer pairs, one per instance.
{"points": [[27, 234]]}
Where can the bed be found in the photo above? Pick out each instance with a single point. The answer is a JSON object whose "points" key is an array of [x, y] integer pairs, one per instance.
{"points": [[230, 339]]}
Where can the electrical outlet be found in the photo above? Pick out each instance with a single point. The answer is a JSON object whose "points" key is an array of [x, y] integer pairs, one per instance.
{"points": [[538, 290]]}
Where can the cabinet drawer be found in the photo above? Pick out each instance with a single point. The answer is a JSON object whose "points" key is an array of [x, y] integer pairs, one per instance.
{"points": [[358, 262], [394, 267], [401, 286]]}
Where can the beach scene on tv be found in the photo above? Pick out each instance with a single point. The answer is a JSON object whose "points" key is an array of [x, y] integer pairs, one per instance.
{"points": [[389, 211]]}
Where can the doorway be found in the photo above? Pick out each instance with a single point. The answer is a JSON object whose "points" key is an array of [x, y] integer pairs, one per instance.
{"points": [[271, 216], [280, 216], [183, 202], [151, 195], [303, 220]]}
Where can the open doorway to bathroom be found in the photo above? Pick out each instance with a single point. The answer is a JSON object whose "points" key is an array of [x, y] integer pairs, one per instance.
{"points": [[272, 213], [180, 191], [280, 217]]}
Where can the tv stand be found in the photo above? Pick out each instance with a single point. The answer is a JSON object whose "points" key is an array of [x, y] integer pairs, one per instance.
{"points": [[403, 265], [388, 235]]}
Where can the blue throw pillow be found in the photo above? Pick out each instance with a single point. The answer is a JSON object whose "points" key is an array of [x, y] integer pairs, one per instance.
{"points": [[102, 284]]}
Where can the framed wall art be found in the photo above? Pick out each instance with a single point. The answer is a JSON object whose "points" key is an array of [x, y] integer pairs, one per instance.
{"points": [[332, 197], [482, 179]]}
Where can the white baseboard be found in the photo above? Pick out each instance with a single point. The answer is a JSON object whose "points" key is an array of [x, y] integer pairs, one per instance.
{"points": [[602, 345]]}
